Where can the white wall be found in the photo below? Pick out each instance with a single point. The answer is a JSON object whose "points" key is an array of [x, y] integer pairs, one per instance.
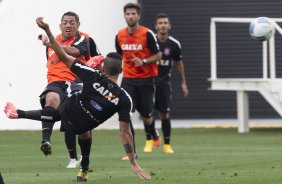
{"points": [[22, 71]]}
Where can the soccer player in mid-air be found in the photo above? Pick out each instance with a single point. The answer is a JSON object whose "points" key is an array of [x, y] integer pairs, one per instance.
{"points": [[171, 53], [100, 98]]}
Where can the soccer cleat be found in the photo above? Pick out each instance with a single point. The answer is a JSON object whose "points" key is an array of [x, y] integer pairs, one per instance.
{"points": [[157, 141], [82, 175], [73, 163], [11, 111], [167, 149], [148, 146], [46, 148]]}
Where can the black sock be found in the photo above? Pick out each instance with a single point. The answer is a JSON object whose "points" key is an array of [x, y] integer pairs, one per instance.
{"points": [[153, 131], [48, 114], [166, 128], [147, 131], [70, 140], [47, 129], [85, 147]]}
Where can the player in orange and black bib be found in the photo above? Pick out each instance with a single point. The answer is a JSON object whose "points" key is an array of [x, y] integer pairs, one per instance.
{"points": [[140, 51]]}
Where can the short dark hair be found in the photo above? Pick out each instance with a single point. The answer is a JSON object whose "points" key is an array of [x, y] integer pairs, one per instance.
{"points": [[113, 64], [132, 5], [161, 15], [70, 13]]}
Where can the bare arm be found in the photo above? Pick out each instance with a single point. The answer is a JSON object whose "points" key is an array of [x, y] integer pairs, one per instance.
{"points": [[127, 141], [64, 57], [70, 50], [181, 73], [153, 58]]}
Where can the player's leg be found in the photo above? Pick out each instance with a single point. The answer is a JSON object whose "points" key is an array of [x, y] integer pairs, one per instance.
{"points": [[50, 115], [144, 106], [166, 129], [52, 100], [85, 142], [70, 140], [163, 107], [51, 97]]}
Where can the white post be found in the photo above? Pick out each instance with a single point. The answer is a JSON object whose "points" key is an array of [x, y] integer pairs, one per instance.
{"points": [[272, 64], [213, 49], [243, 111], [264, 60]]}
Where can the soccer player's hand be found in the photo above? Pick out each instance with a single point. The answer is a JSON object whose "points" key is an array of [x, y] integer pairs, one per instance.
{"points": [[10, 111], [185, 90], [137, 61], [140, 172], [45, 40], [41, 23]]}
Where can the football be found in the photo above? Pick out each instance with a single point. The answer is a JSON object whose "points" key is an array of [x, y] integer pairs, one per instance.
{"points": [[261, 29]]}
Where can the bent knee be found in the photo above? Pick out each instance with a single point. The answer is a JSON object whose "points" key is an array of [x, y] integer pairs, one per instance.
{"points": [[52, 99]]}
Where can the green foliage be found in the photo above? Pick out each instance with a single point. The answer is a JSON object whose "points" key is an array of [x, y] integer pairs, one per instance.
{"points": [[202, 156]]}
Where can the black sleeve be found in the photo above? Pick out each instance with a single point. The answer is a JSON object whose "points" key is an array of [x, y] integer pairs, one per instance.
{"points": [[118, 48], [152, 42], [85, 73], [81, 43], [177, 56], [125, 108], [93, 48]]}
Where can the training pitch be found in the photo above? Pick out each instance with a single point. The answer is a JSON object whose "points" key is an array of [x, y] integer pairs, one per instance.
{"points": [[202, 156]]}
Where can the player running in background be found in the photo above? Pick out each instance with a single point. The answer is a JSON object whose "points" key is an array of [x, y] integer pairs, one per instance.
{"points": [[138, 47], [171, 53], [99, 100]]}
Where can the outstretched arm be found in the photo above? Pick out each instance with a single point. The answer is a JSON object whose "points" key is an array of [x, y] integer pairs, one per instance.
{"points": [[127, 142], [64, 57]]}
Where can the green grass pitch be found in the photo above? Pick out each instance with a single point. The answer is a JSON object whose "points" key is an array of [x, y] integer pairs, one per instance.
{"points": [[202, 156]]}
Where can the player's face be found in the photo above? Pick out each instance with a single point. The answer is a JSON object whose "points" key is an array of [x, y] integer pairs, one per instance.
{"points": [[69, 27], [162, 25], [131, 17]]}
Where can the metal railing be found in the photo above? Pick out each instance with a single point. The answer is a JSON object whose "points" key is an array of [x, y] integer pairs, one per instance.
{"points": [[265, 44]]}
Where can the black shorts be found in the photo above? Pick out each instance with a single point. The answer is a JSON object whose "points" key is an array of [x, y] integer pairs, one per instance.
{"points": [[163, 97], [142, 94], [58, 87], [77, 123]]}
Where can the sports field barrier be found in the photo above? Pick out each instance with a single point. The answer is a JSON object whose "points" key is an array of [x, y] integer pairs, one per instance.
{"points": [[269, 87]]}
